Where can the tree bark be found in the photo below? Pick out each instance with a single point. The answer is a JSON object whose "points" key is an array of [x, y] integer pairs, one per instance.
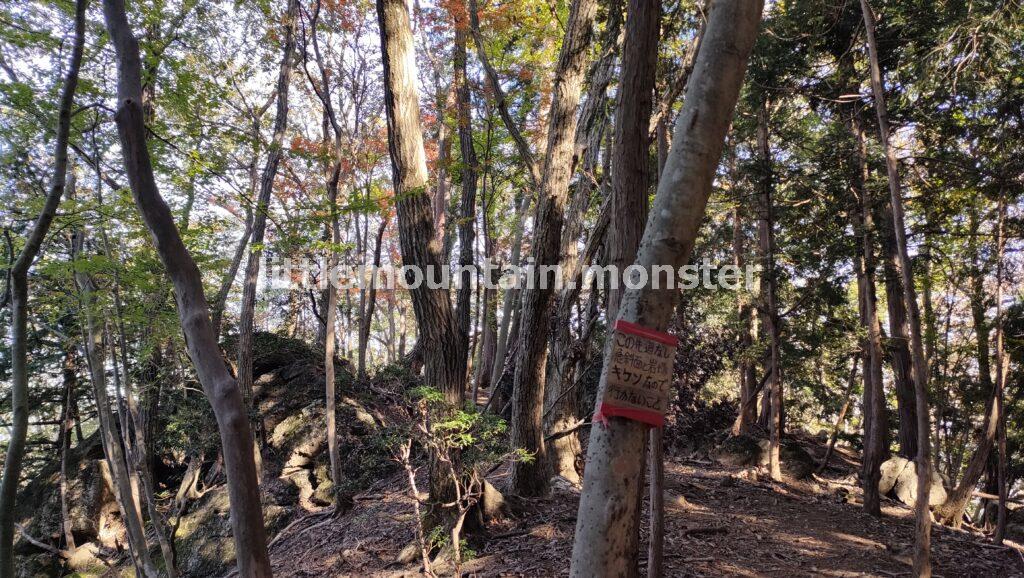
{"points": [[221, 389], [371, 300], [899, 341], [875, 420], [527, 431], [919, 368], [631, 152], [439, 335], [842, 415], [607, 520], [126, 500], [561, 407], [770, 311], [18, 282], [952, 510], [259, 224], [747, 414], [1002, 371], [467, 218], [67, 421]]}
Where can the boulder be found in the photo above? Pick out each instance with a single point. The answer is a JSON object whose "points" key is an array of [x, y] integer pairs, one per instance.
{"points": [[891, 470], [899, 476], [906, 487]]}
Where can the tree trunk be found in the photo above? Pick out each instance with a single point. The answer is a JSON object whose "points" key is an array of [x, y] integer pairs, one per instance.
{"points": [[531, 479], [18, 283], [371, 300], [607, 520], [467, 220], [770, 311], [631, 152], [875, 419], [94, 346], [259, 224], [747, 414], [510, 298], [952, 510], [67, 421], [656, 544], [842, 414], [561, 407], [439, 336], [899, 342], [1002, 371], [221, 389], [919, 369]]}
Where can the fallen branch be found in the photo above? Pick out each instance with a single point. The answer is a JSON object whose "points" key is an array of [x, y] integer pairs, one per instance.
{"points": [[38, 544]]}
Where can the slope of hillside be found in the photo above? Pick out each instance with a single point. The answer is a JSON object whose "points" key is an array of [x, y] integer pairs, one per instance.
{"points": [[720, 521]]}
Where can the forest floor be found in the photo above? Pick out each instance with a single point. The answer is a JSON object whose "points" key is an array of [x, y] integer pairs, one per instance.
{"points": [[719, 522]]}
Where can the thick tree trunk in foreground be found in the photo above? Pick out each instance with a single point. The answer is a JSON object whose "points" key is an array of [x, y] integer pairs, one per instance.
{"points": [[259, 223], [527, 431], [631, 150], [19, 302], [919, 368], [561, 411], [193, 311], [607, 518], [439, 336]]}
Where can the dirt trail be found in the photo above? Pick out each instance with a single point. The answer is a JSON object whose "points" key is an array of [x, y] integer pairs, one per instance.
{"points": [[719, 522]]}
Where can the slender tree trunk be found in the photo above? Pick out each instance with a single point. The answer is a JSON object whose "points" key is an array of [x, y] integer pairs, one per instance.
{"points": [[371, 300], [919, 369], [656, 544], [952, 510], [220, 301], [510, 297], [842, 414], [67, 421], [770, 313], [467, 220], [875, 419], [531, 479], [1002, 370], [221, 389], [899, 341], [94, 346], [18, 275], [138, 450], [607, 520], [747, 414], [259, 226]]}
